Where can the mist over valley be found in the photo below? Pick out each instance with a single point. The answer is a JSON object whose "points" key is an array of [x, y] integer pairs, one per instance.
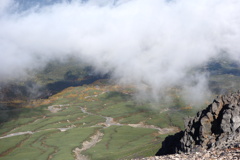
{"points": [[110, 79]]}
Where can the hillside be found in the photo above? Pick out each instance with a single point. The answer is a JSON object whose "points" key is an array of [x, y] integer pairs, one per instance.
{"points": [[83, 116], [100, 121], [111, 79]]}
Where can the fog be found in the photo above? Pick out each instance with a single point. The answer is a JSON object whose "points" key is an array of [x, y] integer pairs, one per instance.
{"points": [[154, 44]]}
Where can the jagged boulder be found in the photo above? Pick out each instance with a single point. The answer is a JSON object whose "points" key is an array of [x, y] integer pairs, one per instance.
{"points": [[216, 127]]}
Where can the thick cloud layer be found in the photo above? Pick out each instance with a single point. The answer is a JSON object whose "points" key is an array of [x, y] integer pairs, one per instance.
{"points": [[154, 44]]}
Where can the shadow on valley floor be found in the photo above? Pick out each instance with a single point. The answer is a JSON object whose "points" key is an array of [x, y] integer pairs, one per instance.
{"points": [[8, 112], [58, 86]]}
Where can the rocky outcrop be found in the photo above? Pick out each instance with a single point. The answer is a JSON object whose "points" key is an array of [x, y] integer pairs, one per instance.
{"points": [[216, 127]]}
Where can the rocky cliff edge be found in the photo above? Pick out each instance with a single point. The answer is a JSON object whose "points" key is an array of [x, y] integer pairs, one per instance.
{"points": [[214, 128]]}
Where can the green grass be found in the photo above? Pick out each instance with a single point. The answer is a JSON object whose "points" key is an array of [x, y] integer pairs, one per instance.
{"points": [[66, 142], [90, 120], [33, 147], [9, 143], [119, 141], [8, 126], [161, 120], [135, 118], [118, 110]]}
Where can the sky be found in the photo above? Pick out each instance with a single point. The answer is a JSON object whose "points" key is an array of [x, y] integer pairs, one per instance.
{"points": [[154, 44]]}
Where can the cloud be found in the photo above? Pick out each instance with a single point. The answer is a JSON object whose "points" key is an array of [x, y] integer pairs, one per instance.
{"points": [[4, 5], [155, 43]]}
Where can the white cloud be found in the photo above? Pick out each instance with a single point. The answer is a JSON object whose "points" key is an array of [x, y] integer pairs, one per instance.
{"points": [[4, 5], [153, 42]]}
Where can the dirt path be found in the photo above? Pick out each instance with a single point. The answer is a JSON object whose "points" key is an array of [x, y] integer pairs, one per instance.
{"points": [[86, 145], [30, 132], [110, 122], [160, 130], [97, 137], [57, 108], [16, 134]]}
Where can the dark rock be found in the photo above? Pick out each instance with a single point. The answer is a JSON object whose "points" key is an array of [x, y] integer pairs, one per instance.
{"points": [[217, 126]]}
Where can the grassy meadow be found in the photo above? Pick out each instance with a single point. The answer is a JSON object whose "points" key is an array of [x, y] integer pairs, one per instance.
{"points": [[70, 118]]}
